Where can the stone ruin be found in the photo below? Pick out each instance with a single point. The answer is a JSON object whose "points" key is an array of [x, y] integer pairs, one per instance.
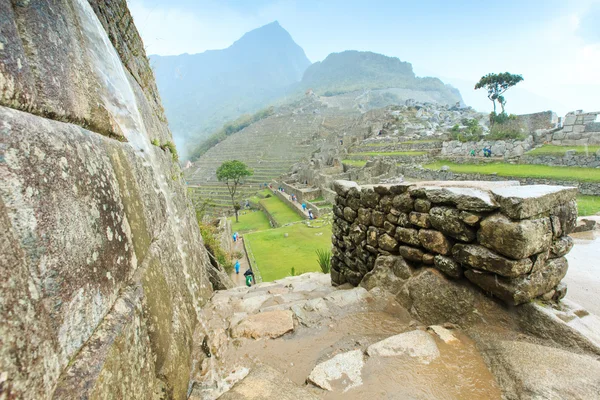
{"points": [[509, 240]]}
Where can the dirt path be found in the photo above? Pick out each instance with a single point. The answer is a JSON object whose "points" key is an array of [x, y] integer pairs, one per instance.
{"points": [[239, 279], [583, 277]]}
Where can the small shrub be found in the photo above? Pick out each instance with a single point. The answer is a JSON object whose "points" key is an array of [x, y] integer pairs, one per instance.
{"points": [[324, 259], [212, 245], [155, 142], [292, 271], [471, 132], [171, 147]]}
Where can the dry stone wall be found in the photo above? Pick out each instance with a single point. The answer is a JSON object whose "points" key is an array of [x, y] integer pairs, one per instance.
{"points": [[509, 240]]}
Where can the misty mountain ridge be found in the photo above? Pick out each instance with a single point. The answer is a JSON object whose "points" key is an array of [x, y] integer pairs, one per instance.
{"points": [[201, 92]]}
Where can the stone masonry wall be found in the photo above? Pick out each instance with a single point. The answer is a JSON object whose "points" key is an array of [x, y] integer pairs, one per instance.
{"points": [[507, 239], [505, 148], [578, 129]]}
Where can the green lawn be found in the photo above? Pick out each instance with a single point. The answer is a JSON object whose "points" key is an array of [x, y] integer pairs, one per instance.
{"points": [[421, 141], [390, 153], [523, 170], [279, 210], [588, 205], [276, 254], [561, 150], [250, 221], [354, 163]]}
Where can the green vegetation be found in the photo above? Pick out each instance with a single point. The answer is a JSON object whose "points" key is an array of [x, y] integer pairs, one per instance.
{"points": [[523, 171], [324, 259], [232, 173], [421, 141], [390, 153], [561, 150], [250, 221], [276, 254], [211, 242], [588, 205], [171, 147], [472, 131], [496, 85], [229, 129], [155, 142], [280, 211], [354, 163]]}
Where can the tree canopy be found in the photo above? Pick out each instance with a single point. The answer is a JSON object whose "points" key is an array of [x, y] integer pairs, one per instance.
{"points": [[496, 85], [232, 173]]}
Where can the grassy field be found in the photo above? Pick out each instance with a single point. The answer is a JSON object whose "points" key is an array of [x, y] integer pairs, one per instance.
{"points": [[390, 153], [561, 150], [280, 211], [250, 221], [354, 163], [276, 254], [588, 205], [523, 170]]}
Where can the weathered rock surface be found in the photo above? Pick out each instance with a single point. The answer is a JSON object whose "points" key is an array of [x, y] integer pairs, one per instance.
{"points": [[389, 273], [516, 240], [408, 236], [417, 344], [448, 221], [102, 260], [519, 202], [469, 199], [525, 288], [264, 382], [448, 266], [435, 241], [270, 324], [347, 365], [480, 257], [529, 371]]}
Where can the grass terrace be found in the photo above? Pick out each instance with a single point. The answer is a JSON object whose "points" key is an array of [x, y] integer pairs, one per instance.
{"points": [[588, 205], [280, 211], [523, 171], [354, 163], [250, 221], [561, 150], [275, 254], [389, 153]]}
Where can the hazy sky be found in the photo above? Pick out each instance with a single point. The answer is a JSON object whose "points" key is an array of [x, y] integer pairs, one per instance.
{"points": [[554, 44]]}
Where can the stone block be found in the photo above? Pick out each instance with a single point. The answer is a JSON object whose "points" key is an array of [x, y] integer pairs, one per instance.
{"points": [[364, 216], [516, 240], [525, 288], [389, 228], [522, 202], [369, 198], [372, 236], [428, 259], [408, 236], [385, 204], [387, 243], [470, 218], [464, 198], [403, 202], [342, 187], [419, 219], [422, 205], [377, 218], [349, 214], [411, 253], [561, 246], [435, 241], [479, 257], [448, 221], [448, 266]]}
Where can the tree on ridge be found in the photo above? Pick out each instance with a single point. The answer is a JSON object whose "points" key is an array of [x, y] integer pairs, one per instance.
{"points": [[496, 85], [232, 173]]}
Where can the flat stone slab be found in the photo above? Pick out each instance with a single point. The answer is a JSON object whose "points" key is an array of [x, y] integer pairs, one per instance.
{"points": [[445, 334], [269, 324], [480, 257], [349, 297], [347, 366], [264, 382], [528, 371], [465, 198], [417, 344], [527, 201], [483, 185]]}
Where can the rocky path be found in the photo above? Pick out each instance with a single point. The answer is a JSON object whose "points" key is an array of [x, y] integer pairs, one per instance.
{"points": [[300, 338], [238, 247]]}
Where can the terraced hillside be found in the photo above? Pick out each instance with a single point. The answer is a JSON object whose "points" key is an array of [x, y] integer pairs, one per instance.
{"points": [[270, 147]]}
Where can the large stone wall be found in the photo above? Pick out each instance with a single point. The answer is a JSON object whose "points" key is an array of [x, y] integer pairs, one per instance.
{"points": [[419, 173], [102, 266], [579, 129], [507, 239], [504, 148], [539, 121]]}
